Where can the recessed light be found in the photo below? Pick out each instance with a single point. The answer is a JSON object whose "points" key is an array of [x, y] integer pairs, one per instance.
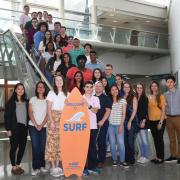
{"points": [[115, 21], [124, 75], [146, 76], [148, 21]]}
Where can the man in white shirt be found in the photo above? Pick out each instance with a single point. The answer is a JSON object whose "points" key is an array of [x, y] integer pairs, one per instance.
{"points": [[24, 18], [50, 22]]}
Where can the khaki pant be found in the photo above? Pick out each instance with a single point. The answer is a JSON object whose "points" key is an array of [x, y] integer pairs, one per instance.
{"points": [[173, 129]]}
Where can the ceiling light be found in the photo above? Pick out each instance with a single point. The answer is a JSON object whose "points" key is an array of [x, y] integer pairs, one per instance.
{"points": [[148, 21], [146, 76], [123, 75], [115, 21]]}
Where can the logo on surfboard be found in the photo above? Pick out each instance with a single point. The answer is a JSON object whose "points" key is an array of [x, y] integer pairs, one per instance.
{"points": [[74, 123]]}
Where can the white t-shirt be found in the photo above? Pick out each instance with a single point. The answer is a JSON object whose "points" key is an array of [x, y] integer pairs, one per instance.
{"points": [[47, 56], [24, 19], [56, 64], [95, 103], [39, 108], [51, 26], [42, 47], [88, 59], [57, 100]]}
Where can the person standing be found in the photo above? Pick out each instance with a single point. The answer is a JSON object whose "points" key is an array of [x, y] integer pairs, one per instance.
{"points": [[93, 64], [109, 74], [93, 105], [16, 121], [130, 123], [37, 128], [87, 73], [156, 112], [55, 104], [173, 119], [119, 84], [116, 127], [142, 113], [24, 18], [102, 120], [76, 51]]}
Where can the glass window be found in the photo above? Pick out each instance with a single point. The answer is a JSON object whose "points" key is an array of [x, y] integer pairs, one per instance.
{"points": [[13, 82], [2, 81]]}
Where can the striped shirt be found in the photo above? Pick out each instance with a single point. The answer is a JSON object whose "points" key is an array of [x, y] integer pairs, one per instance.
{"points": [[116, 115]]}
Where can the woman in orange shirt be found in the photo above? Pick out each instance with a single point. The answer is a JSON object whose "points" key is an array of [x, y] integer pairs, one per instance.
{"points": [[156, 112]]}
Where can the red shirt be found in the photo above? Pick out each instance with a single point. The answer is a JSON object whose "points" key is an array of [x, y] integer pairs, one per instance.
{"points": [[87, 74]]}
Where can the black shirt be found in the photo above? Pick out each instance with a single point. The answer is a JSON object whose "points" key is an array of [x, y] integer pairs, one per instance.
{"points": [[105, 102]]}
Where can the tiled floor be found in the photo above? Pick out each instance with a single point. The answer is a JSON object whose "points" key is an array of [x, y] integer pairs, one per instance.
{"points": [[137, 172]]}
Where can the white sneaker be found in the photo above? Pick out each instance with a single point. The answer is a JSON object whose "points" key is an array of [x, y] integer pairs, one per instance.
{"points": [[60, 171], [144, 160], [54, 172], [44, 170], [140, 159], [35, 172]]}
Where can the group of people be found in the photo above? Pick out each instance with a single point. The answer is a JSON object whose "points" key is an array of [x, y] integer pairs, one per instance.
{"points": [[117, 110]]}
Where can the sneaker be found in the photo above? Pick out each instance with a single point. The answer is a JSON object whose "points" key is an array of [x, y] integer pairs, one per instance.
{"points": [[15, 171], [114, 163], [178, 161], [54, 172], [35, 172], [94, 171], [43, 170], [124, 165], [60, 171], [143, 160], [140, 159], [85, 172], [171, 159]]}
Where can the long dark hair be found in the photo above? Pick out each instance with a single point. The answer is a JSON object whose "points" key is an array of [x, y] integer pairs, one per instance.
{"points": [[111, 96], [143, 95], [14, 94], [93, 78], [131, 94], [36, 89], [64, 87], [158, 95], [50, 39], [106, 88], [60, 55], [46, 49], [81, 88], [60, 44], [63, 62]]}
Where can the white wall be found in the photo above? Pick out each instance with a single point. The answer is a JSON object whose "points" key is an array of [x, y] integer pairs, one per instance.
{"points": [[136, 64], [174, 31]]}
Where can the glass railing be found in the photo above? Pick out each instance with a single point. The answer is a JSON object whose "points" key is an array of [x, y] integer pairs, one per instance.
{"points": [[94, 32], [16, 63]]}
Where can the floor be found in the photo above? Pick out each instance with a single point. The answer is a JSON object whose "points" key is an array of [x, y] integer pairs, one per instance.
{"points": [[137, 172]]}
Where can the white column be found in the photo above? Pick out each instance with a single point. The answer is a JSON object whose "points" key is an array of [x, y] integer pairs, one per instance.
{"points": [[23, 3], [174, 35], [61, 8], [93, 20]]}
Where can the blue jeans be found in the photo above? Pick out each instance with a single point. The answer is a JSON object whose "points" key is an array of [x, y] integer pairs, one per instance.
{"points": [[116, 138], [143, 142], [38, 140]]}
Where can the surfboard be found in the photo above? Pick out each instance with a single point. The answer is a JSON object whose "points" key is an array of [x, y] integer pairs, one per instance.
{"points": [[74, 134]]}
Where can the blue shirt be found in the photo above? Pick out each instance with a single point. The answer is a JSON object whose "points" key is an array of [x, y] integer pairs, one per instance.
{"points": [[105, 102], [92, 66], [38, 37]]}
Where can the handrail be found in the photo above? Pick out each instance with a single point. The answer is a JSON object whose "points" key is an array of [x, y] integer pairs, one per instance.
{"points": [[89, 24], [28, 57]]}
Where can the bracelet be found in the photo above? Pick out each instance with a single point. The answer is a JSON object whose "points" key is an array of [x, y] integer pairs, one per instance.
{"points": [[160, 122]]}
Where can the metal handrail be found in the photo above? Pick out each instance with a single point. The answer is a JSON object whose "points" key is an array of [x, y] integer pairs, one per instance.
{"points": [[28, 57], [98, 25]]}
